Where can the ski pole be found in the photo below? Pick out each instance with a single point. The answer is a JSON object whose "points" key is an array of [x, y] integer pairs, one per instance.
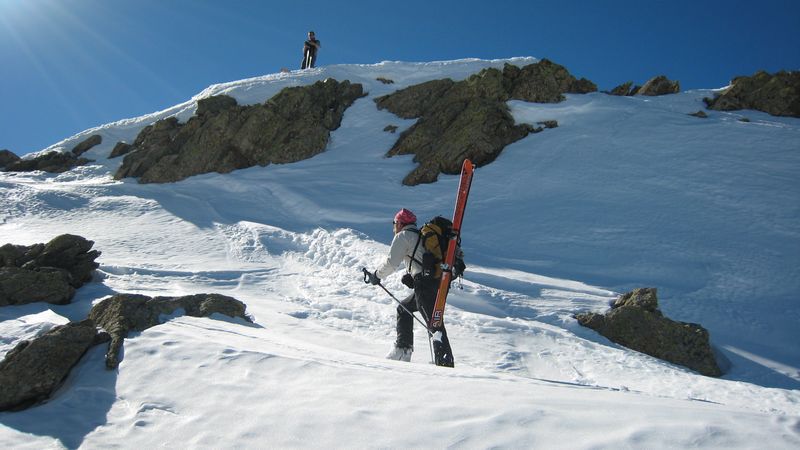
{"points": [[367, 276]]}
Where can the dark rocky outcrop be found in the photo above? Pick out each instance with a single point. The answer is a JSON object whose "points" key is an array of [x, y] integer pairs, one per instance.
{"points": [[624, 89], [390, 128], [293, 125], [777, 94], [34, 369], [548, 123], [45, 272], [701, 114], [659, 85], [121, 314], [121, 149], [543, 82], [385, 80], [21, 286], [470, 118], [53, 162], [636, 322], [87, 144], [7, 157]]}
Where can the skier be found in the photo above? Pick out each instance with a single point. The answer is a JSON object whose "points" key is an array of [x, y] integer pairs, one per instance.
{"points": [[310, 48], [407, 249]]}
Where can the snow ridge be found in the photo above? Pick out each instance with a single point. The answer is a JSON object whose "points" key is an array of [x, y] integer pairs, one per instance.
{"points": [[627, 192]]}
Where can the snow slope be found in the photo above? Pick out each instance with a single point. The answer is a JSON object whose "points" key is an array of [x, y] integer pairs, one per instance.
{"points": [[626, 192]]}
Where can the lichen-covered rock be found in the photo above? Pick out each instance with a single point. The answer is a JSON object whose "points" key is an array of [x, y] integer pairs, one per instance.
{"points": [[636, 322], [474, 129], [46, 272], [123, 313], [470, 118], [87, 144], [215, 105], [7, 157], [154, 143], [644, 298], [293, 125], [543, 82], [417, 100], [33, 370], [69, 252], [777, 94], [659, 85], [21, 286], [548, 123], [53, 162], [625, 89], [121, 149]]}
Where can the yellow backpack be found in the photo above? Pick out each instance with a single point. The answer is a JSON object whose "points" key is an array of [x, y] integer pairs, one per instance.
{"points": [[434, 236]]}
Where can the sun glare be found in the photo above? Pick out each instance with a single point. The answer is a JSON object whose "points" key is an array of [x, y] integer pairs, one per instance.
{"points": [[16, 6]]}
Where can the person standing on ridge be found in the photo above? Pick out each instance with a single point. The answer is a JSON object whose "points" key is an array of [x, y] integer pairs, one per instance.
{"points": [[408, 249], [310, 48]]}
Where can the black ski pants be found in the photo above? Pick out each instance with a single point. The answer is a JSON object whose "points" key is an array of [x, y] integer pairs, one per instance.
{"points": [[309, 59], [423, 300]]}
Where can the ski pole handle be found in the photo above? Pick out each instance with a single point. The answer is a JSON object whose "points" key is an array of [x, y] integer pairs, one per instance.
{"points": [[370, 278]]}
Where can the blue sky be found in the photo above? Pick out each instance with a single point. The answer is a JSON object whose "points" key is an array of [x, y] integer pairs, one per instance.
{"points": [[69, 65]]}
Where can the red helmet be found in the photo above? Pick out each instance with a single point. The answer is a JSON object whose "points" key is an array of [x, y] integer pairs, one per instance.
{"points": [[404, 217]]}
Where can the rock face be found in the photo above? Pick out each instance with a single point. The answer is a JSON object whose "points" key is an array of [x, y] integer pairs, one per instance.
{"points": [[543, 82], [624, 89], [53, 162], [21, 286], [45, 272], [293, 125], [122, 148], [659, 85], [33, 370], [120, 314], [636, 322], [87, 144], [470, 118], [7, 157], [777, 94]]}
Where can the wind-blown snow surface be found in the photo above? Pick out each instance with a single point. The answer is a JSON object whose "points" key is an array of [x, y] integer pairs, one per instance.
{"points": [[627, 192]]}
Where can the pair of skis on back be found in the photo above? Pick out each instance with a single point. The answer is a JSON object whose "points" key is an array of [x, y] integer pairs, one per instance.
{"points": [[437, 316], [436, 321]]}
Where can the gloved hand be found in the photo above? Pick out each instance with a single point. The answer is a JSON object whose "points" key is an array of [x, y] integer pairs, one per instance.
{"points": [[458, 268], [370, 277], [373, 278]]}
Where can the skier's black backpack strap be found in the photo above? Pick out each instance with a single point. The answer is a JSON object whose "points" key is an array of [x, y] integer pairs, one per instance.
{"points": [[407, 279], [411, 257]]}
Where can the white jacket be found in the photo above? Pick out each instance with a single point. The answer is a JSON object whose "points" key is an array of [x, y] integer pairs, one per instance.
{"points": [[402, 246]]}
